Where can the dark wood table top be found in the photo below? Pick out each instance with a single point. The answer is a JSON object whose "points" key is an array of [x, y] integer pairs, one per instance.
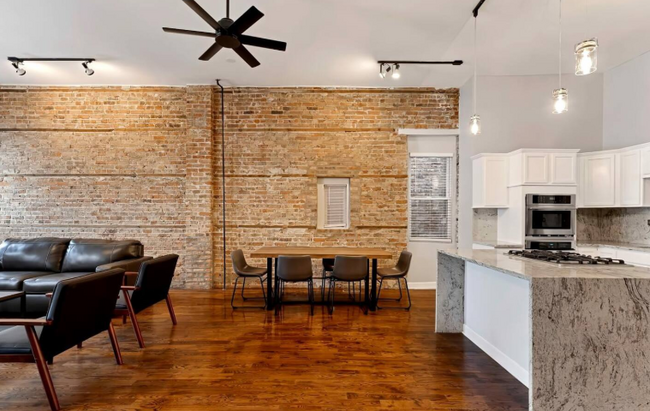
{"points": [[10, 295], [321, 252]]}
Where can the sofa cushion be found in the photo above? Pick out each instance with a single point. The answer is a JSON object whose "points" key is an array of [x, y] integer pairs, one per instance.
{"points": [[36, 254], [46, 283], [88, 254], [13, 280]]}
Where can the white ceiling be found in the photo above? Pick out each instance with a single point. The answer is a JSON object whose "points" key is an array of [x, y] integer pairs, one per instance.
{"points": [[330, 42]]}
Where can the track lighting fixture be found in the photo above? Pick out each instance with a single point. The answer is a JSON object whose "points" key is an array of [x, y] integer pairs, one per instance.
{"points": [[586, 57], [88, 70], [396, 74], [382, 71], [19, 70]]}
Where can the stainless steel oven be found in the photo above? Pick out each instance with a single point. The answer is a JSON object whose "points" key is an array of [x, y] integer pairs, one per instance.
{"points": [[550, 215]]}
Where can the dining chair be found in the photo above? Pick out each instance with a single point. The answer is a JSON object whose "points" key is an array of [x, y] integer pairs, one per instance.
{"points": [[294, 269], [243, 270], [79, 309], [151, 286], [398, 273], [349, 269]]}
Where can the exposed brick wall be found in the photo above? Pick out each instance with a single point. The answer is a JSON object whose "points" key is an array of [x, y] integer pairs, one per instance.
{"points": [[145, 163], [280, 140]]}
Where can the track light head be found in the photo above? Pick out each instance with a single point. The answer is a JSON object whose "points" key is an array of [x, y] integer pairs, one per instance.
{"points": [[19, 70], [88, 70], [382, 72], [396, 74]]}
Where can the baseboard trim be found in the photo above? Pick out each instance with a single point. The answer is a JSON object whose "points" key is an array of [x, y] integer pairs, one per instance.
{"points": [[497, 355], [422, 286]]}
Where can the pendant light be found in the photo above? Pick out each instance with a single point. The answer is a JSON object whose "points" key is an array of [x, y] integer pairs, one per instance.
{"points": [[586, 57], [560, 95], [475, 120]]}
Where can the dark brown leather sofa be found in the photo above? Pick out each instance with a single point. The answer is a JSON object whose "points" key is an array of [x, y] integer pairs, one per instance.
{"points": [[36, 265]]}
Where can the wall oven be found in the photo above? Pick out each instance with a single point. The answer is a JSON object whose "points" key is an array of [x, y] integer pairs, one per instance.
{"points": [[550, 218]]}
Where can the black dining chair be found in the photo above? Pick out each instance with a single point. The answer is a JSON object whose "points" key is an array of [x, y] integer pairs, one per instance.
{"points": [[244, 271], [399, 272], [294, 269], [151, 286], [79, 309], [349, 269]]}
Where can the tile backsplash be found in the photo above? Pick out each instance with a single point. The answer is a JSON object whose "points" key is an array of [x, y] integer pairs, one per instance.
{"points": [[628, 225], [484, 225]]}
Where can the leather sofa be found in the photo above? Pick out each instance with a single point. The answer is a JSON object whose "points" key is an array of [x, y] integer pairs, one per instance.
{"points": [[36, 265]]}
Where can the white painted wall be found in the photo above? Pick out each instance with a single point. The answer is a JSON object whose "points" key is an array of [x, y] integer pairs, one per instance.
{"points": [[497, 318], [516, 112], [424, 264], [626, 104]]}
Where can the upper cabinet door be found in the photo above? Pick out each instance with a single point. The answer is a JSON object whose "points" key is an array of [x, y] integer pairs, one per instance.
{"points": [[490, 182], [599, 176], [536, 168], [645, 158], [563, 168], [630, 180]]}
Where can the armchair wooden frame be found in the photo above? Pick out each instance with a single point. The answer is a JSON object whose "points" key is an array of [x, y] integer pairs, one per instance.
{"points": [[37, 354], [129, 311]]}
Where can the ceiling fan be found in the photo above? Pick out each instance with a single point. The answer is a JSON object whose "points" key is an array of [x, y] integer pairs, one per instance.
{"points": [[229, 33]]}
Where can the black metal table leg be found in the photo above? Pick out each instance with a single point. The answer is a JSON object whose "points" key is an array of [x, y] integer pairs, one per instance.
{"points": [[373, 299], [270, 295]]}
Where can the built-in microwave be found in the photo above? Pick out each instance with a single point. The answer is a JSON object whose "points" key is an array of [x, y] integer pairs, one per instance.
{"points": [[550, 215]]}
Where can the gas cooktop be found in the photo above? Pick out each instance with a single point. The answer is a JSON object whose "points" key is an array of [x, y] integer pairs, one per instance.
{"points": [[564, 257]]}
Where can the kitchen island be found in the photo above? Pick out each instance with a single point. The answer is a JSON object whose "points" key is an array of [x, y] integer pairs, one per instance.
{"points": [[577, 335]]}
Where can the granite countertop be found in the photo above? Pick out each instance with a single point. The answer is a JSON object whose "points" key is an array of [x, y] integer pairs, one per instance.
{"points": [[500, 244], [530, 269], [614, 244]]}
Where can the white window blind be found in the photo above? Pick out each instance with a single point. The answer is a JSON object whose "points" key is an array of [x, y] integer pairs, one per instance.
{"points": [[336, 200], [429, 197]]}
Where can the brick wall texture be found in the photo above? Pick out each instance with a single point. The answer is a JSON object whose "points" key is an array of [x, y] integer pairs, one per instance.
{"points": [[145, 163]]}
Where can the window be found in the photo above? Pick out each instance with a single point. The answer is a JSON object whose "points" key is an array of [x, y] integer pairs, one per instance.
{"points": [[333, 203], [429, 197]]}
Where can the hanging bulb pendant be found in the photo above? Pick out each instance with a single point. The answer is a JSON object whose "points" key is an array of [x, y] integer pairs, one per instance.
{"points": [[560, 101], [475, 124], [586, 57]]}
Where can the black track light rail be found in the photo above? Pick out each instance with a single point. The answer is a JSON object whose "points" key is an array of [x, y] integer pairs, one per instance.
{"points": [[476, 9], [453, 63], [21, 60]]}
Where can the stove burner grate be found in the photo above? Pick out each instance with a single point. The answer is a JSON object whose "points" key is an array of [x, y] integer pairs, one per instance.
{"points": [[564, 257]]}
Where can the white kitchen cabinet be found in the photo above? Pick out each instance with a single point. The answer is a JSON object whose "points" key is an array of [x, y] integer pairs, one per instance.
{"points": [[563, 168], [536, 168], [490, 181], [645, 159], [598, 183], [629, 180]]}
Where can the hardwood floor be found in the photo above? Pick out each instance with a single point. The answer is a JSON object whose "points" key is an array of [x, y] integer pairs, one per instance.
{"points": [[217, 359]]}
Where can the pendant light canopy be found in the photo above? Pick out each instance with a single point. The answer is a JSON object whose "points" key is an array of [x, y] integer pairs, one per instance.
{"points": [[560, 95], [586, 57]]}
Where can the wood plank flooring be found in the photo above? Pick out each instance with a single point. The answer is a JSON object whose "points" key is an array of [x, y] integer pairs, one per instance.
{"points": [[217, 359]]}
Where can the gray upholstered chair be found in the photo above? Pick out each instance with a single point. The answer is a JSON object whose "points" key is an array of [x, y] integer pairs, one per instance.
{"points": [[244, 271], [398, 273], [348, 269], [294, 269]]}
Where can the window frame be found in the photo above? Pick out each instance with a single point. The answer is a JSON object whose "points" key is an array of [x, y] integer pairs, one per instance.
{"points": [[450, 191], [322, 202]]}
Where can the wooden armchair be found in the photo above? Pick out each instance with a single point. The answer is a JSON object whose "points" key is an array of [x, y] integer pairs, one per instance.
{"points": [[151, 286], [80, 308]]}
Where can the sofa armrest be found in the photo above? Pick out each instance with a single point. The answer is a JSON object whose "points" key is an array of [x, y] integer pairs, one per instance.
{"points": [[132, 264]]}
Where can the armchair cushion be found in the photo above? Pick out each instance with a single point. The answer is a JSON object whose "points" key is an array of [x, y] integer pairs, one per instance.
{"points": [[14, 340], [46, 283], [36, 254], [13, 280], [88, 254]]}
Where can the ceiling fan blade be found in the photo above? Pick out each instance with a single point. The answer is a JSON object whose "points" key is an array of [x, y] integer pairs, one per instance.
{"points": [[210, 52], [247, 56], [203, 14], [265, 43], [190, 32], [246, 20]]}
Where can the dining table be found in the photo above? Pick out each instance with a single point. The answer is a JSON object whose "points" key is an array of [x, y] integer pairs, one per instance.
{"points": [[316, 252]]}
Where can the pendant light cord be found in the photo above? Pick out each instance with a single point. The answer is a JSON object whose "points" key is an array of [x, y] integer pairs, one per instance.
{"points": [[560, 48], [475, 63]]}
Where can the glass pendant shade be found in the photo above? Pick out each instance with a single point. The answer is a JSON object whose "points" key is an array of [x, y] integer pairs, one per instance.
{"points": [[560, 100], [475, 124], [586, 57]]}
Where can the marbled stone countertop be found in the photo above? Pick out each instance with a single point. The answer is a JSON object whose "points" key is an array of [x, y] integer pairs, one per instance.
{"points": [[615, 244], [500, 244], [530, 269]]}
